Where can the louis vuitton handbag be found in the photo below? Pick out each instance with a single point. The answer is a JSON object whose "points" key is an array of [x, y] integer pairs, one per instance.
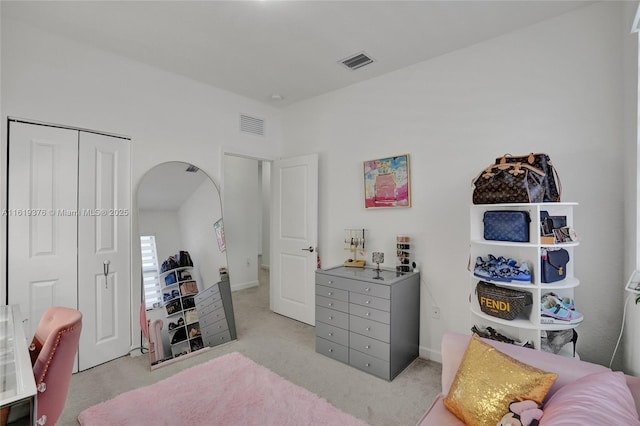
{"points": [[551, 181], [509, 183]]}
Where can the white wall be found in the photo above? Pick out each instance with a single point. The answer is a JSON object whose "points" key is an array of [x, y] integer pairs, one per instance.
{"points": [[197, 216], [554, 87], [266, 214], [241, 207], [169, 118], [164, 225], [631, 339]]}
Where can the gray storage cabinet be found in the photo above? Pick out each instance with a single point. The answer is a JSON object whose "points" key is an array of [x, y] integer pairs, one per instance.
{"points": [[215, 312], [367, 319]]}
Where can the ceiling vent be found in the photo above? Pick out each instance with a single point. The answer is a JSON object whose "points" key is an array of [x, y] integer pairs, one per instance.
{"points": [[192, 169], [356, 61], [253, 125]]}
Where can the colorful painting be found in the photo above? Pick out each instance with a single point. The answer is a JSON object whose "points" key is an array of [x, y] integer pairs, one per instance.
{"points": [[387, 182]]}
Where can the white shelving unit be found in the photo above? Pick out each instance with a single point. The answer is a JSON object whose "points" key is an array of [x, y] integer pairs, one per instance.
{"points": [[530, 325], [180, 305]]}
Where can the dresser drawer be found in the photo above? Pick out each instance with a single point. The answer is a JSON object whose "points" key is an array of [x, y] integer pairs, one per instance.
{"points": [[335, 334], [333, 317], [207, 309], [212, 317], [333, 293], [210, 300], [368, 363], [215, 328], [217, 339], [369, 346], [372, 314], [338, 305], [376, 290], [373, 302], [205, 294], [332, 281], [332, 350], [369, 328]]}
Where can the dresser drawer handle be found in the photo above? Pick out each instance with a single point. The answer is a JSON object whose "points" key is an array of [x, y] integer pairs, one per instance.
{"points": [[330, 293], [330, 304], [367, 347], [367, 314], [367, 365], [330, 350], [367, 289], [368, 329], [330, 317], [330, 334], [329, 282], [366, 302]]}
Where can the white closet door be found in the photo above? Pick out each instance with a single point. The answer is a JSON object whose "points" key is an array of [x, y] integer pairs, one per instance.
{"points": [[42, 226], [104, 247]]}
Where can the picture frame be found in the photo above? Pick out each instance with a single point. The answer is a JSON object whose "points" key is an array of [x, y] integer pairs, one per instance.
{"points": [[218, 227], [387, 182]]}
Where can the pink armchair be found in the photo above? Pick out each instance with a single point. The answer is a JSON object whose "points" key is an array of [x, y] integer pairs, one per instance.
{"points": [[53, 352]]}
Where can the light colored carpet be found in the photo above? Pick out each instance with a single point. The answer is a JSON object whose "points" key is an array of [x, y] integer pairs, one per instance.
{"points": [[230, 390], [286, 347]]}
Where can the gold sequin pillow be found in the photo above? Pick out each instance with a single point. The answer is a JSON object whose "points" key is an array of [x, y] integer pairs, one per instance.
{"points": [[488, 380]]}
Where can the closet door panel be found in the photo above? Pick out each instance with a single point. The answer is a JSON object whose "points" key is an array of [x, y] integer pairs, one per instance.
{"points": [[104, 248], [42, 219]]}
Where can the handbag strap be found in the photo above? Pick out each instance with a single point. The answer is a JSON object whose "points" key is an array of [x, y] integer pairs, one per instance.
{"points": [[516, 168]]}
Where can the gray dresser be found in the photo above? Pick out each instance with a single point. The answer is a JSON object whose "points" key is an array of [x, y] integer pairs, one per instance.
{"points": [[367, 319], [215, 313]]}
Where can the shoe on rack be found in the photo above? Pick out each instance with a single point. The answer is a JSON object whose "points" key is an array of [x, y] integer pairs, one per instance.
{"points": [[553, 308], [567, 302], [488, 269]]}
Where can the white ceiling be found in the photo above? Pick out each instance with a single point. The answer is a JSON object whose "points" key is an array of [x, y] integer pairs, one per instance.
{"points": [[168, 185], [292, 48]]}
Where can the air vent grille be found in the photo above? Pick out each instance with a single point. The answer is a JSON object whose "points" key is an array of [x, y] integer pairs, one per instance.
{"points": [[356, 61], [253, 125]]}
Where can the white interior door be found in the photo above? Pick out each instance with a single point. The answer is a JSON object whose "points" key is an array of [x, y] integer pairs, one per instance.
{"points": [[104, 241], [295, 237], [42, 225]]}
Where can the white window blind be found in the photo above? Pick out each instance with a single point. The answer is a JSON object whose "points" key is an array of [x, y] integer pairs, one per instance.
{"points": [[150, 270]]}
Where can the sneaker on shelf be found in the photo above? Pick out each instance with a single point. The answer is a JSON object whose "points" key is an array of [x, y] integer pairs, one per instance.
{"points": [[566, 302], [551, 307]]}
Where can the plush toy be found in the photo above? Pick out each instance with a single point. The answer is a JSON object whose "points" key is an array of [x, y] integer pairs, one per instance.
{"points": [[523, 413]]}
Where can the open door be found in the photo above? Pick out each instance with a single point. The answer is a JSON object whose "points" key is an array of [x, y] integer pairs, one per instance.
{"points": [[294, 223]]}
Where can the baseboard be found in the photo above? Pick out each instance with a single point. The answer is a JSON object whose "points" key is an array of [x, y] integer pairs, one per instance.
{"points": [[250, 284], [430, 354]]}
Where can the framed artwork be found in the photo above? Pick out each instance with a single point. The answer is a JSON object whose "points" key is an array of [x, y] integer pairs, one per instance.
{"points": [[387, 182], [219, 228]]}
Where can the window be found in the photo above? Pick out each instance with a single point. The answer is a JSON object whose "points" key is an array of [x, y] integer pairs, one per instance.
{"points": [[150, 279]]}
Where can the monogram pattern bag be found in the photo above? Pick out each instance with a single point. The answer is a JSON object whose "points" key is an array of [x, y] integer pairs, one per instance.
{"points": [[551, 182], [502, 302], [509, 183], [506, 225]]}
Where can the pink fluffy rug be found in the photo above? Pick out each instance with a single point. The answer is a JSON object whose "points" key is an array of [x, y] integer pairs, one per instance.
{"points": [[229, 390]]}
